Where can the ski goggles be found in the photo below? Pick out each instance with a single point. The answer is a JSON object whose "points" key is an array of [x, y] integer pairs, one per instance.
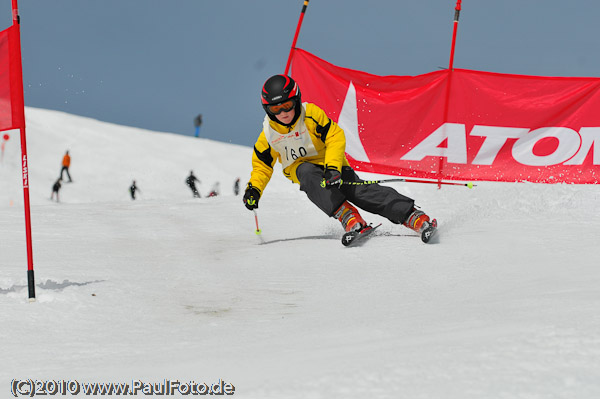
{"points": [[279, 108]]}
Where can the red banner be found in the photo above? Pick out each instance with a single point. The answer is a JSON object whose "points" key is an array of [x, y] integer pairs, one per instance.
{"points": [[461, 125], [11, 94]]}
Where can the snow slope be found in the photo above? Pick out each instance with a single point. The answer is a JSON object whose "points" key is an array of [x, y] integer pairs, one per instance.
{"points": [[505, 304]]}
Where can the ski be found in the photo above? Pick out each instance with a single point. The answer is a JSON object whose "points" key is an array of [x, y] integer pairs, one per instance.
{"points": [[352, 238], [429, 232]]}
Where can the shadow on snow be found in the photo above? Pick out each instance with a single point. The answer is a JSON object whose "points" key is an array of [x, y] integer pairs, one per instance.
{"points": [[49, 285]]}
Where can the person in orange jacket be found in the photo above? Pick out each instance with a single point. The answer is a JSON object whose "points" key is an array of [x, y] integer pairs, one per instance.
{"points": [[66, 162]]}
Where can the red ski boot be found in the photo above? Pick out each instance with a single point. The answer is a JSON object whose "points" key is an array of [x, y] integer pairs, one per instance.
{"points": [[422, 224], [417, 221], [350, 218]]}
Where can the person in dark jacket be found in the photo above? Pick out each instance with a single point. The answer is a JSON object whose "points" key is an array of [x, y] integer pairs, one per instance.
{"points": [[236, 186], [132, 189], [55, 189], [191, 182]]}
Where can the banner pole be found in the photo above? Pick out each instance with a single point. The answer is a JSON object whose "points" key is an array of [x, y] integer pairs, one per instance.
{"points": [[18, 81], [289, 60], [450, 70], [455, 29]]}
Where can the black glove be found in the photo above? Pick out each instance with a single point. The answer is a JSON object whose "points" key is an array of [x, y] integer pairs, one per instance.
{"points": [[251, 197], [331, 178]]}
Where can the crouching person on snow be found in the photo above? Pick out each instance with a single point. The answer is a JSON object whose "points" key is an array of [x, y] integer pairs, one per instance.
{"points": [[311, 148], [56, 188]]}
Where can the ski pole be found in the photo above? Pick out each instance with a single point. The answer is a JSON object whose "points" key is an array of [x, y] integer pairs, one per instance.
{"points": [[365, 182], [256, 220]]}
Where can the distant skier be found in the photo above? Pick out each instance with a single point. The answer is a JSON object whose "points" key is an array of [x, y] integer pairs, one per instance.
{"points": [[197, 124], [191, 182], [236, 186], [133, 189], [4, 140], [55, 189], [66, 163], [311, 148], [215, 190]]}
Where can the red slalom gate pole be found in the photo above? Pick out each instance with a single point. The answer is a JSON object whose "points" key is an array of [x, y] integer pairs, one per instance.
{"points": [[456, 17], [450, 69], [289, 60], [18, 81]]}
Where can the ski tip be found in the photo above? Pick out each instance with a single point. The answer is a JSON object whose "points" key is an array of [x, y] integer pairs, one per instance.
{"points": [[347, 239]]}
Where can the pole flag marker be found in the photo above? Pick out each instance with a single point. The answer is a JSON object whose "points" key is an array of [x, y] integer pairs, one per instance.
{"points": [[12, 116]]}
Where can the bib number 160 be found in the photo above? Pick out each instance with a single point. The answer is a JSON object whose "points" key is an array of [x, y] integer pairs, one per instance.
{"points": [[295, 153]]}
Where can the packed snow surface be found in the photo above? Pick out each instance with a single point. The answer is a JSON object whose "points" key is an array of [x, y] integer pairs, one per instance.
{"points": [[504, 304]]}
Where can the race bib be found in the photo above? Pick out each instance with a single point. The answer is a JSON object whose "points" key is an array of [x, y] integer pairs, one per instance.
{"points": [[293, 145]]}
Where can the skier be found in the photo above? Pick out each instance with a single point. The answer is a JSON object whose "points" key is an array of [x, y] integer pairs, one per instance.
{"points": [[132, 189], [311, 148], [236, 186], [215, 190], [5, 138], [66, 163], [191, 181], [55, 188]]}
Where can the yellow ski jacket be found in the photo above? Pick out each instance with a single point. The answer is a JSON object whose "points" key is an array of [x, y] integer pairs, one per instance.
{"points": [[313, 138]]}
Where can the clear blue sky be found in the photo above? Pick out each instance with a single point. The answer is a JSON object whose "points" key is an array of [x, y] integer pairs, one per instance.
{"points": [[156, 64]]}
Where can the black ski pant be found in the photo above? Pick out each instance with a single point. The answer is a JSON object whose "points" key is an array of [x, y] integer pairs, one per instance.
{"points": [[194, 190], [373, 198], [65, 169]]}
